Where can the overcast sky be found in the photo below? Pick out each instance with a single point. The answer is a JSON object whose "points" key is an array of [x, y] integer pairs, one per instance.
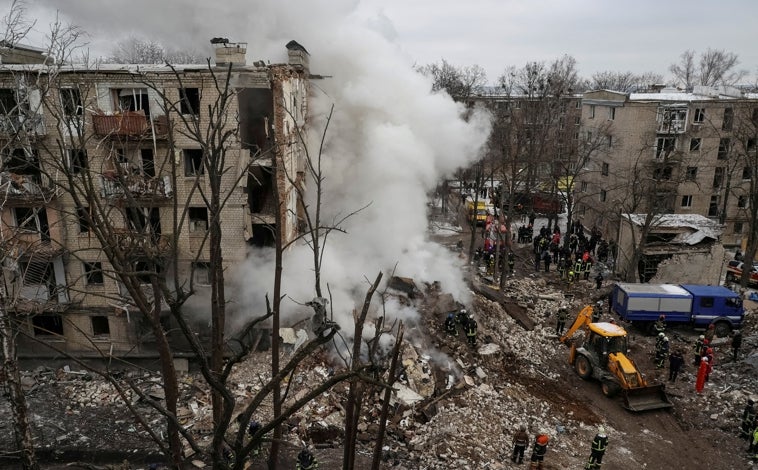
{"points": [[639, 36]]}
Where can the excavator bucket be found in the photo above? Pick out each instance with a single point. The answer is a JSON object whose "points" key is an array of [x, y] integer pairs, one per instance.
{"points": [[652, 397]]}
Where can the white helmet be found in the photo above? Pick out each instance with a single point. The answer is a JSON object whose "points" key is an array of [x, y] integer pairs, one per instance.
{"points": [[661, 335], [601, 431], [666, 339], [702, 336]]}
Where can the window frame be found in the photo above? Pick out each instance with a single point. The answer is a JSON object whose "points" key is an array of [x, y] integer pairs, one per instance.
{"points": [[93, 273], [686, 201], [193, 162]]}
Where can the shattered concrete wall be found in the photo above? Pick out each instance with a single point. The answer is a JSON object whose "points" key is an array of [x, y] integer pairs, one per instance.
{"points": [[693, 268]]}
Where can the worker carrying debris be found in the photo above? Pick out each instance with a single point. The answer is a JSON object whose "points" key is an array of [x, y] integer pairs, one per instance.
{"points": [[306, 460], [450, 325], [599, 444], [470, 329], [539, 450]]}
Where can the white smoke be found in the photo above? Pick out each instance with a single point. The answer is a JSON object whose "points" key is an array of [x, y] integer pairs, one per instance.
{"points": [[388, 144]]}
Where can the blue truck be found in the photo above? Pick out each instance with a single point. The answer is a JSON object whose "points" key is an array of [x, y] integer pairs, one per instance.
{"points": [[699, 306]]}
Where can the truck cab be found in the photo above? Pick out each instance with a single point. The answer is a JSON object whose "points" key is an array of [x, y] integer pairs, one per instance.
{"points": [[715, 304]]}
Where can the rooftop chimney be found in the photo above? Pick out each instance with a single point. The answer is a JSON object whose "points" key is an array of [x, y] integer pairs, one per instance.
{"points": [[229, 52], [297, 55]]}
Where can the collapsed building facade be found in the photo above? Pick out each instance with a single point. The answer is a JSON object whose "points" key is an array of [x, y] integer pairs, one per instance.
{"points": [[136, 136]]}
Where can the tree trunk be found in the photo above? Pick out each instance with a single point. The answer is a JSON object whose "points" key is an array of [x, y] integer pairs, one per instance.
{"points": [[377, 457], [22, 428]]}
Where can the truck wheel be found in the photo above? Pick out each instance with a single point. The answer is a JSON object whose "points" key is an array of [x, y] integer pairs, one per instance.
{"points": [[723, 329], [583, 367], [610, 388]]}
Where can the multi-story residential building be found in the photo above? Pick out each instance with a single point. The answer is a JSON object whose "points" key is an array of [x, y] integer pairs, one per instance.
{"points": [[130, 131], [670, 152]]}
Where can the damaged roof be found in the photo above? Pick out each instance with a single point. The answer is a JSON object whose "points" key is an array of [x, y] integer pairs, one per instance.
{"points": [[695, 227]]}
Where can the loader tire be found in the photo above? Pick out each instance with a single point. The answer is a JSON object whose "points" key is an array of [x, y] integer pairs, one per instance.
{"points": [[583, 367], [610, 388], [722, 329]]}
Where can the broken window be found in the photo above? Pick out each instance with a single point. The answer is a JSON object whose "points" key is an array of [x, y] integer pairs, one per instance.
{"points": [[713, 206], [201, 273], [144, 219], [26, 218], [603, 195], [662, 173], [742, 201], [747, 173], [148, 162], [578, 121], [133, 99], [144, 270], [750, 144], [71, 100], [584, 187], [691, 174], [738, 227], [604, 170], [611, 113], [100, 326], [663, 202], [93, 273], [695, 144], [47, 325], [671, 119], [718, 177], [726, 125], [198, 219], [687, 200], [8, 103], [724, 147], [664, 146], [193, 162], [77, 160], [699, 115], [83, 215], [189, 99]]}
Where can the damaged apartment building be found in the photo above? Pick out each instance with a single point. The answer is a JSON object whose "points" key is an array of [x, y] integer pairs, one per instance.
{"points": [[689, 155], [122, 131]]}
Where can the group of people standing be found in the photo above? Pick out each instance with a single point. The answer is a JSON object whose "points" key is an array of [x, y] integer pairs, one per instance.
{"points": [[466, 321], [539, 448]]}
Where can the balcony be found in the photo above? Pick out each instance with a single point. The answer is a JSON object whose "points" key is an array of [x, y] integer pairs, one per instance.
{"points": [[26, 188], [130, 125], [138, 185], [136, 243], [28, 125]]}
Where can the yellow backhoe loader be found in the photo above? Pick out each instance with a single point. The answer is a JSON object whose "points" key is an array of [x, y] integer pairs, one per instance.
{"points": [[602, 355]]}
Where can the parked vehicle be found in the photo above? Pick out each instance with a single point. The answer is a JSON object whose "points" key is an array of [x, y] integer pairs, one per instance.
{"points": [[538, 202], [602, 355], [482, 211], [734, 272], [691, 304]]}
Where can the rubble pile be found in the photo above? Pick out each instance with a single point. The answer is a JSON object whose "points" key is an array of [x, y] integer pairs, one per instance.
{"points": [[455, 406]]}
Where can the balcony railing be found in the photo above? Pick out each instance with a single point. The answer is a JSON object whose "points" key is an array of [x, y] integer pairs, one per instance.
{"points": [[139, 243], [132, 124], [25, 187], [138, 185], [29, 125]]}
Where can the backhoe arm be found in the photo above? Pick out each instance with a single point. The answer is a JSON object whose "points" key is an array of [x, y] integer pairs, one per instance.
{"points": [[583, 319]]}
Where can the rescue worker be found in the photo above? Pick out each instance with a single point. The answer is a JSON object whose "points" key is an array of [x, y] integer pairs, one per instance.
{"points": [[450, 327], [306, 460], [587, 267], [710, 332], [578, 267], [661, 353], [709, 356], [520, 442], [511, 262], [562, 315], [570, 277], [547, 258], [599, 444], [561, 267], [539, 450], [253, 428], [748, 420], [599, 280], [470, 329], [753, 449], [676, 361], [736, 344], [462, 318], [660, 324], [699, 349], [597, 311]]}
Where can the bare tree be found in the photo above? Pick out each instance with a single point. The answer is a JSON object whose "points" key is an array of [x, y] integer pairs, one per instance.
{"points": [[459, 82], [136, 50], [623, 81], [714, 67]]}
